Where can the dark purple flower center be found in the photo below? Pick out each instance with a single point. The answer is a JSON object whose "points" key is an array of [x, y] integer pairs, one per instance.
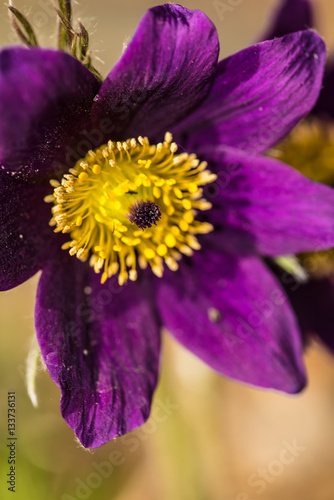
{"points": [[144, 214]]}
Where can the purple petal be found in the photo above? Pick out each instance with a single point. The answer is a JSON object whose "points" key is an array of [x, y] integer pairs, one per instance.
{"points": [[101, 346], [165, 72], [230, 312], [258, 96], [313, 303], [325, 104], [261, 205], [45, 102], [290, 16], [26, 239]]}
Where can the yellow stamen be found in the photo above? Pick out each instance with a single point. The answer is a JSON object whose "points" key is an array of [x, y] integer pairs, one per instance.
{"points": [[94, 200]]}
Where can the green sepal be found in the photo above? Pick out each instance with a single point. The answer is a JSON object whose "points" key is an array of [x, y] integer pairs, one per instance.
{"points": [[27, 36]]}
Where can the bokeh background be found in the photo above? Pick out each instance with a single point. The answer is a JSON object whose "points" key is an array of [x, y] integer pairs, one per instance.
{"points": [[208, 438]]}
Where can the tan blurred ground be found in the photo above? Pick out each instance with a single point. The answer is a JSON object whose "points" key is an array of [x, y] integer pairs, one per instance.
{"points": [[220, 433]]}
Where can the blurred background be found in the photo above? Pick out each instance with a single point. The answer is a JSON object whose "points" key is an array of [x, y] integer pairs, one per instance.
{"points": [[208, 438]]}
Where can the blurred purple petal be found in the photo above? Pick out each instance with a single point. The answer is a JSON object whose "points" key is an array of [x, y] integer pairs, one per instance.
{"points": [[165, 72], [313, 303], [325, 104], [230, 312], [101, 346], [290, 16]]}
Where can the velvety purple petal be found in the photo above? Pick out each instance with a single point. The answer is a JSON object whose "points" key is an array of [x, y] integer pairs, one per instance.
{"points": [[101, 346], [26, 239], [45, 102], [261, 205], [231, 312], [258, 96], [290, 16], [313, 303], [165, 72]]}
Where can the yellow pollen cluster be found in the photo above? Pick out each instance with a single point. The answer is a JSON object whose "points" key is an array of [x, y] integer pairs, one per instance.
{"points": [[93, 201]]}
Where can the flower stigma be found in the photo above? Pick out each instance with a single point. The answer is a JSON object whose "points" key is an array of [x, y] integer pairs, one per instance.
{"points": [[144, 214], [132, 202]]}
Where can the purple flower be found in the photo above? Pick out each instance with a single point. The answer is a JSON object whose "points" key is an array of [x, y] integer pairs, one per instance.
{"points": [[101, 341], [313, 301]]}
